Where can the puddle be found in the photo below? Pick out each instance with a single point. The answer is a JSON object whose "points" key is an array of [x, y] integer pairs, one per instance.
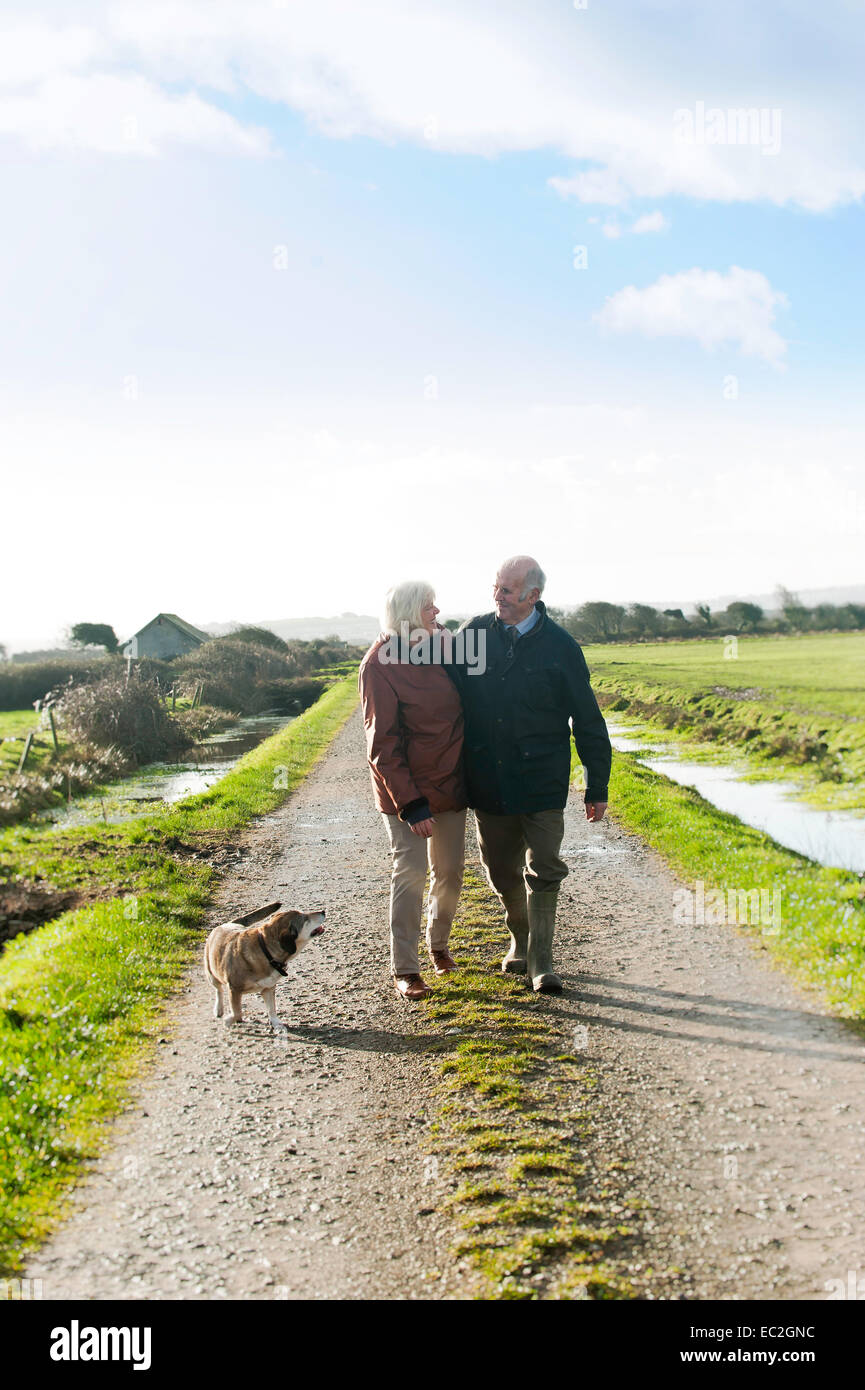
{"points": [[833, 838], [160, 784]]}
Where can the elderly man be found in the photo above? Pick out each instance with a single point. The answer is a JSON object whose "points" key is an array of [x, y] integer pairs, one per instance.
{"points": [[517, 754]]}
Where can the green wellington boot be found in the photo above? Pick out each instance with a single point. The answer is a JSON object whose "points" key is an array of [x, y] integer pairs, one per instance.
{"points": [[542, 923], [517, 919]]}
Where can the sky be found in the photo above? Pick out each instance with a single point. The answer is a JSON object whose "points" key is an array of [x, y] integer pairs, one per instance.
{"points": [[303, 298]]}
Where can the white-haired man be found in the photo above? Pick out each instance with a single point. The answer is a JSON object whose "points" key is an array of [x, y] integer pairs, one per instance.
{"points": [[518, 717]]}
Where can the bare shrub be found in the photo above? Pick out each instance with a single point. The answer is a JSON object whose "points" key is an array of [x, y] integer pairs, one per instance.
{"points": [[126, 715], [202, 722], [232, 672], [290, 696]]}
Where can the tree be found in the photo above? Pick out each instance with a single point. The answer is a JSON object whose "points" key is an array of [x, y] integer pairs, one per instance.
{"points": [[94, 635], [794, 610], [644, 619], [597, 620], [3, 652], [705, 613], [675, 613], [827, 615], [744, 617], [452, 624]]}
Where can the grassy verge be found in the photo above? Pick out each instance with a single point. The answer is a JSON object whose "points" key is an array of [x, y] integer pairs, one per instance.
{"points": [[81, 997], [824, 754], [819, 931], [514, 1125]]}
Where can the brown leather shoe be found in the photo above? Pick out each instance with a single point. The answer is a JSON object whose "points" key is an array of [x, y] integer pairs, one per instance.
{"points": [[411, 986], [443, 961]]}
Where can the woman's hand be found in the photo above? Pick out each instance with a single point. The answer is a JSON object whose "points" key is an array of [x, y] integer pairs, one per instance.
{"points": [[423, 828]]}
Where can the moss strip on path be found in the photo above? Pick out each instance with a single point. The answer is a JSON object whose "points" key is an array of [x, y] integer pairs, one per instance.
{"points": [[811, 918], [81, 997], [513, 1125]]}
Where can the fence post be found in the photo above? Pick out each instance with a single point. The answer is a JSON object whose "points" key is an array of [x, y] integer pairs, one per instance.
{"points": [[28, 744]]}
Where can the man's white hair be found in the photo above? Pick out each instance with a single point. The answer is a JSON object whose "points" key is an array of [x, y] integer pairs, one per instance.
{"points": [[534, 575], [404, 604]]}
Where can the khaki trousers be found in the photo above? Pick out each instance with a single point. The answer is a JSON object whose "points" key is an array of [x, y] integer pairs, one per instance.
{"points": [[445, 852], [521, 853]]}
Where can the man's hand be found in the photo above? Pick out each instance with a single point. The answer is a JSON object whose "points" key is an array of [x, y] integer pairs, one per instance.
{"points": [[423, 828], [595, 810]]}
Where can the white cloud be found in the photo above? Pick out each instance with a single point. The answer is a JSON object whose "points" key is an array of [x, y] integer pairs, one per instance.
{"points": [[492, 78], [121, 115], [712, 308], [29, 52], [650, 222]]}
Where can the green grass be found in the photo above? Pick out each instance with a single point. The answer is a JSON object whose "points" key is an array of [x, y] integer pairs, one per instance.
{"points": [[820, 936], [789, 706], [816, 673], [513, 1127], [81, 997], [15, 724]]}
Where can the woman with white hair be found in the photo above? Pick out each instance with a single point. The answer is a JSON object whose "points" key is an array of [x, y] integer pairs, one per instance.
{"points": [[414, 737]]}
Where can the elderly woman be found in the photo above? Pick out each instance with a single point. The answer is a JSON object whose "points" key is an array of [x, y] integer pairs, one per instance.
{"points": [[414, 738]]}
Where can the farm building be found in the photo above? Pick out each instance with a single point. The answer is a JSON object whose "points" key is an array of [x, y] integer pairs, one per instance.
{"points": [[165, 636]]}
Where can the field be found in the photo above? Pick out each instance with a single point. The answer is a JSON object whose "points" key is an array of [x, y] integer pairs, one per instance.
{"points": [[820, 673], [793, 704]]}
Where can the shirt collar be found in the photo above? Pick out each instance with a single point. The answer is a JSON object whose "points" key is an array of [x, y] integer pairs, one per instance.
{"points": [[527, 623]]}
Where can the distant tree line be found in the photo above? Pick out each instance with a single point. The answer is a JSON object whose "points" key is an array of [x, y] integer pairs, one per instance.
{"points": [[641, 622]]}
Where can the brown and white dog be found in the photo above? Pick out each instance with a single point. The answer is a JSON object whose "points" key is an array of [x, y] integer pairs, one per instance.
{"points": [[252, 960]]}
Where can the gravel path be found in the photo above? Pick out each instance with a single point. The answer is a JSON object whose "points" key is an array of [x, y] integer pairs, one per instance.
{"points": [[295, 1166]]}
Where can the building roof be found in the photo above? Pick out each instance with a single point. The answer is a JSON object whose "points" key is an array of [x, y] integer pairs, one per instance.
{"points": [[178, 622]]}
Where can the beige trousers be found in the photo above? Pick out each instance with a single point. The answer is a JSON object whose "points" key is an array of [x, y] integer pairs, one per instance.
{"points": [[445, 851]]}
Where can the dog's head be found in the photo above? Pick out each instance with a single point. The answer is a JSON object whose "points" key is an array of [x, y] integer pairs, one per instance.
{"points": [[294, 930]]}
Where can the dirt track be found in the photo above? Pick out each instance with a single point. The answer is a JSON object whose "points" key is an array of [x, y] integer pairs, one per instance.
{"points": [[252, 1165]]}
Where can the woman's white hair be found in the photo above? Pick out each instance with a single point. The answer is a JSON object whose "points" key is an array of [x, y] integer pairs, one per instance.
{"points": [[404, 604]]}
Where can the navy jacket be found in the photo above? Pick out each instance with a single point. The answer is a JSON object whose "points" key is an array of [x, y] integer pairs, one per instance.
{"points": [[517, 734]]}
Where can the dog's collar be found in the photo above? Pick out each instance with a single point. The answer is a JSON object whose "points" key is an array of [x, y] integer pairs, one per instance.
{"points": [[277, 965]]}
